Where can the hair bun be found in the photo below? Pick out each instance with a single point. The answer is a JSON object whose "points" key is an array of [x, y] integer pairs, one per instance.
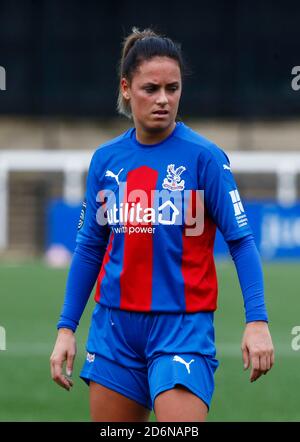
{"points": [[136, 35]]}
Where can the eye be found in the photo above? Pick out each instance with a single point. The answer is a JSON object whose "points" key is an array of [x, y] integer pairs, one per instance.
{"points": [[150, 89], [173, 88]]}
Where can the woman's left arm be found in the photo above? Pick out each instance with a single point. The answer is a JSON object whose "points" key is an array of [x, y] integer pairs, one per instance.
{"points": [[224, 205], [257, 347]]}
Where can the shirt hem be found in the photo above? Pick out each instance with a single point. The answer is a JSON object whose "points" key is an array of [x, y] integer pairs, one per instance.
{"points": [[109, 305]]}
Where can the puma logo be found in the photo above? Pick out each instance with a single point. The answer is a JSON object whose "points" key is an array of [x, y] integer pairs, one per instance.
{"points": [[182, 361], [113, 175]]}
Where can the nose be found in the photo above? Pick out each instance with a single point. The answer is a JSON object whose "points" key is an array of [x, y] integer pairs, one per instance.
{"points": [[162, 98]]}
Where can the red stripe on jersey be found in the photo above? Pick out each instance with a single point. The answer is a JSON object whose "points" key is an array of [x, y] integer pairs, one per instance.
{"points": [[102, 270], [136, 275], [198, 266]]}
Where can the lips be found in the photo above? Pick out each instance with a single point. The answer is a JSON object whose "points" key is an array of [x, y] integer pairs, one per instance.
{"points": [[161, 112]]}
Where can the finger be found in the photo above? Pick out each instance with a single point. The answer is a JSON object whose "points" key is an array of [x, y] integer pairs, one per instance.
{"points": [[255, 374], [68, 382], [270, 361], [268, 357], [263, 364], [58, 377], [57, 367], [272, 358], [255, 371], [246, 358], [63, 382], [70, 362], [269, 365], [55, 370], [51, 367]]}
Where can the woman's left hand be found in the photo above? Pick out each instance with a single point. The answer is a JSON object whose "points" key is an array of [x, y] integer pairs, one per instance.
{"points": [[257, 349]]}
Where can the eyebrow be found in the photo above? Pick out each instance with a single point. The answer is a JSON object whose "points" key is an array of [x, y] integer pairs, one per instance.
{"points": [[173, 83]]}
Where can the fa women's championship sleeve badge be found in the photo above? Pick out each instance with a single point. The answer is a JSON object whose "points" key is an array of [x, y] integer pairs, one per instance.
{"points": [[82, 215], [173, 181]]}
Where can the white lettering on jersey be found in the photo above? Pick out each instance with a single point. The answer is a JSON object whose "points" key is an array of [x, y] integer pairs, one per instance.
{"points": [[237, 203], [174, 208], [238, 208], [137, 214]]}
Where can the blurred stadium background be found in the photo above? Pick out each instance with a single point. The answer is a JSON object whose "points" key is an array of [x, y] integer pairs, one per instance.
{"points": [[58, 105]]}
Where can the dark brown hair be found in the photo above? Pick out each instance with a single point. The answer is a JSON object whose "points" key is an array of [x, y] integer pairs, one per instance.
{"points": [[140, 46]]}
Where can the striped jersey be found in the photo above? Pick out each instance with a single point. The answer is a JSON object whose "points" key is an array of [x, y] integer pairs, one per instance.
{"points": [[153, 211]]}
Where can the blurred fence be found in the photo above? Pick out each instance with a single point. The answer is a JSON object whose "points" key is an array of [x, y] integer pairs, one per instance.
{"points": [[23, 215], [61, 56]]}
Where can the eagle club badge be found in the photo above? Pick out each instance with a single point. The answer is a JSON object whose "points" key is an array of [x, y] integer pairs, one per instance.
{"points": [[173, 181], [82, 215]]}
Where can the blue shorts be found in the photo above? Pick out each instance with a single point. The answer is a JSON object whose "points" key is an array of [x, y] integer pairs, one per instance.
{"points": [[143, 354]]}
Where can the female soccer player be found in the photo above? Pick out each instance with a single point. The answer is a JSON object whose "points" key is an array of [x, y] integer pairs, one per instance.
{"points": [[147, 233]]}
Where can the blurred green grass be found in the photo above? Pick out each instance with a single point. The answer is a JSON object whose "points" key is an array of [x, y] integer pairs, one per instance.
{"points": [[30, 303]]}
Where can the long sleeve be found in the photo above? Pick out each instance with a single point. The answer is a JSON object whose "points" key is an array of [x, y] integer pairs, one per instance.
{"points": [[225, 207], [92, 239], [82, 276], [249, 269]]}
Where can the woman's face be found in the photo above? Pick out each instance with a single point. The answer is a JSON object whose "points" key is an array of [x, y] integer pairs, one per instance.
{"points": [[154, 93]]}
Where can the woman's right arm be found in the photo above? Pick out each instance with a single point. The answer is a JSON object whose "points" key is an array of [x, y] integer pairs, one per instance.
{"points": [[92, 240], [82, 276]]}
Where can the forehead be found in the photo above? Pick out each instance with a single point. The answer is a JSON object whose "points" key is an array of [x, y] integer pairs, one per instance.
{"points": [[158, 69]]}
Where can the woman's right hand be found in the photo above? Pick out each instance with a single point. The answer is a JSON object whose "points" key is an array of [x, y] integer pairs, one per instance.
{"points": [[64, 350]]}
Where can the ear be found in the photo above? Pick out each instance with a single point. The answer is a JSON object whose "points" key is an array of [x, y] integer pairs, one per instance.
{"points": [[125, 88]]}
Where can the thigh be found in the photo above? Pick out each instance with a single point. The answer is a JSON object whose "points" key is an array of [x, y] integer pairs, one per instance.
{"points": [[179, 405], [117, 392], [107, 405], [116, 373], [181, 386]]}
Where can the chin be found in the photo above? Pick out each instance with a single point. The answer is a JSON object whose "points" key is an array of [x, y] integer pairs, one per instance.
{"points": [[157, 126]]}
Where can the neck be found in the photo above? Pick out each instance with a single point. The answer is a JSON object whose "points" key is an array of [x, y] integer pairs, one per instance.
{"points": [[144, 136]]}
